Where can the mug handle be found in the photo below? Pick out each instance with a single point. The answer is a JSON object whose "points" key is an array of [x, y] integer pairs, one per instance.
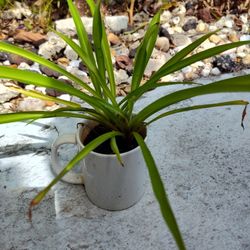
{"points": [[70, 177]]}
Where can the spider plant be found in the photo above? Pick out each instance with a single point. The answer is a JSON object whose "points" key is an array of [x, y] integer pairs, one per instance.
{"points": [[118, 117]]}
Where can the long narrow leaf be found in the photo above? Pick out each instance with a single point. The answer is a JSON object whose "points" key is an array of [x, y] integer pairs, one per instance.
{"points": [[165, 69], [81, 31], [34, 115], [235, 84], [115, 149], [108, 60], [43, 81], [203, 106], [37, 79], [97, 38], [146, 87], [91, 5], [35, 58], [144, 51], [85, 151], [160, 193], [38, 95], [188, 49]]}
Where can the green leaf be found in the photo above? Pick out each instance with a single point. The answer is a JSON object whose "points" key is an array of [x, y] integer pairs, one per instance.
{"points": [[134, 95], [188, 49], [85, 151], [160, 193], [165, 69], [203, 106], [97, 38], [34, 115], [81, 32], [37, 79], [43, 81], [91, 5], [144, 51], [235, 84], [35, 58], [108, 60], [38, 95], [115, 149]]}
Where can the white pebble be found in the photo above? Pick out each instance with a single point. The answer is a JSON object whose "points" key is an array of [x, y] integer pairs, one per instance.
{"points": [[215, 71]]}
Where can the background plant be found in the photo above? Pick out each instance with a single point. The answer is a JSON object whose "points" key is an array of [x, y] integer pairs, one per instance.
{"points": [[118, 118]]}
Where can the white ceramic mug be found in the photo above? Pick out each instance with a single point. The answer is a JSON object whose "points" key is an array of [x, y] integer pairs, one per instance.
{"points": [[108, 184]]}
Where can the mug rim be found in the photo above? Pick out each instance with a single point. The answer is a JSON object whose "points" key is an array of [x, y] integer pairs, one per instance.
{"points": [[106, 155]]}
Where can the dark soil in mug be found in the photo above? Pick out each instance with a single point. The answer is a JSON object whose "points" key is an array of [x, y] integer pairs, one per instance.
{"points": [[124, 144]]}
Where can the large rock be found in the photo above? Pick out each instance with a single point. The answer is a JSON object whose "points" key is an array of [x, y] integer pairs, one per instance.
{"points": [[53, 46], [181, 40], [31, 37], [67, 26], [6, 94], [115, 23]]}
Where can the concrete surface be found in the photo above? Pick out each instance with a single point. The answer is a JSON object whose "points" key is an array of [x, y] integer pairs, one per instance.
{"points": [[203, 157]]}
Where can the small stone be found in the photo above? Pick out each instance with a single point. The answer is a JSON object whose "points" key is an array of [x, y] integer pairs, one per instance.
{"points": [[82, 67], [3, 56], [67, 27], [52, 47], [215, 39], [49, 72], [114, 39], [16, 59], [153, 65], [31, 104], [205, 15], [121, 76], [164, 32], [215, 71], [190, 24], [246, 60], [63, 61], [124, 62], [31, 37], [224, 63], [229, 23], [187, 69], [206, 71], [70, 53], [181, 40], [166, 16], [162, 43], [245, 38], [176, 20], [201, 27], [132, 52], [233, 37], [190, 75], [244, 18], [117, 23], [6, 94], [24, 66]]}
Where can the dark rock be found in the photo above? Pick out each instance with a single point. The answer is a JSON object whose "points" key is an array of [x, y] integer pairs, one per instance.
{"points": [[164, 32], [190, 5], [189, 25], [49, 72], [225, 64], [3, 56], [16, 59], [205, 15], [82, 67], [132, 53], [56, 93]]}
